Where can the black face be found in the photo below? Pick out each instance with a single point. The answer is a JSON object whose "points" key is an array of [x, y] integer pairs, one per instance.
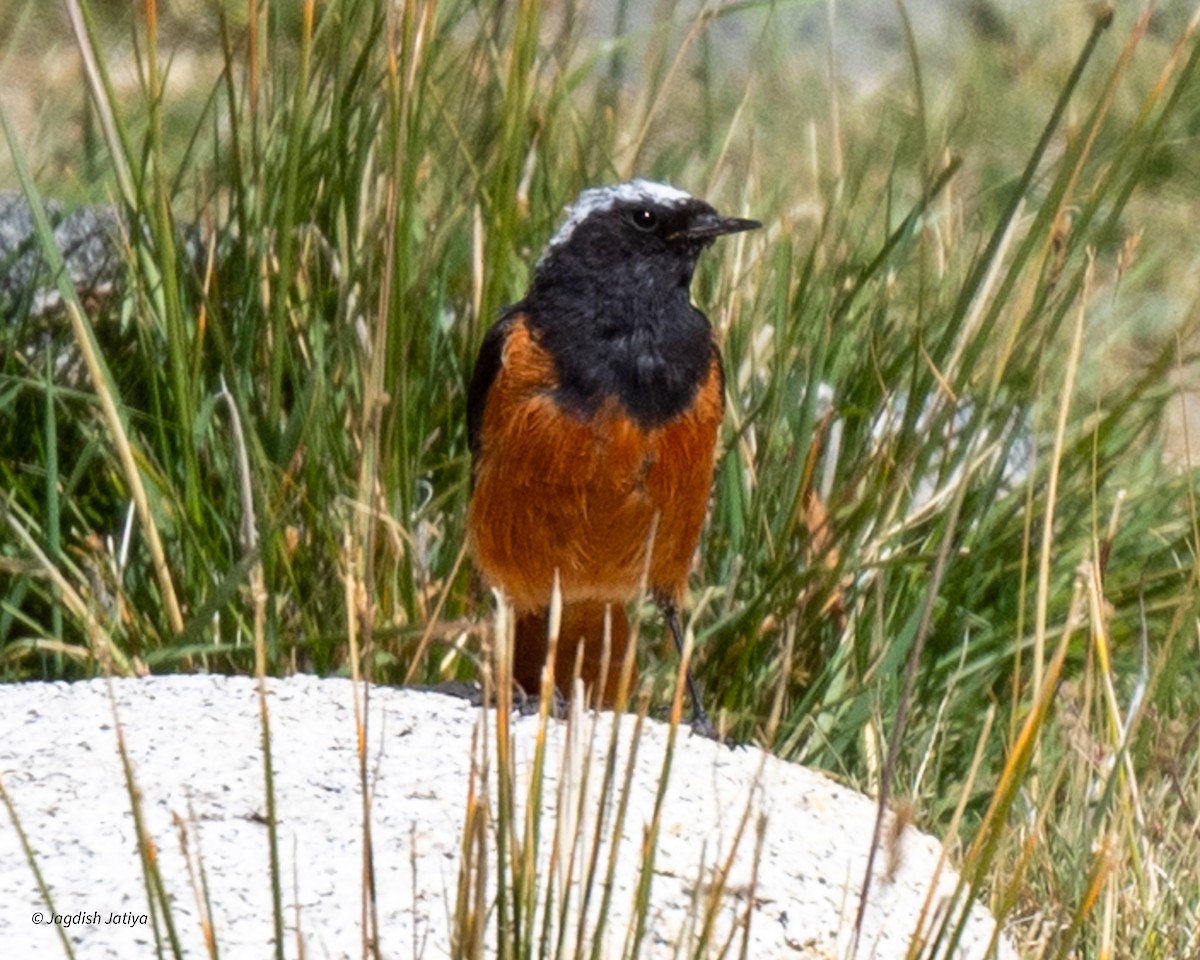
{"points": [[646, 242], [610, 301]]}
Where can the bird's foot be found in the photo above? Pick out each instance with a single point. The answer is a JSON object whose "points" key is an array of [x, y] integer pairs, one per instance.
{"points": [[462, 689], [703, 727], [527, 705]]}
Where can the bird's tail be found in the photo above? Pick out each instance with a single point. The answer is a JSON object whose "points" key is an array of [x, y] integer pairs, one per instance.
{"points": [[581, 634]]}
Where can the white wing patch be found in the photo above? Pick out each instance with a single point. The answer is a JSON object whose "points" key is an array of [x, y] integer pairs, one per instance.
{"points": [[605, 198]]}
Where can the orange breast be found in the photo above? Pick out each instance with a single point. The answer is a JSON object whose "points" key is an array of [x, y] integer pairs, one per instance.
{"points": [[556, 491]]}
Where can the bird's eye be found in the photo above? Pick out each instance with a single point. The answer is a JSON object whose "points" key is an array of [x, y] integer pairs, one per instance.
{"points": [[643, 219]]}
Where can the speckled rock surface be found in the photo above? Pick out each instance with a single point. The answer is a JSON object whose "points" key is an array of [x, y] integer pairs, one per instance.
{"points": [[195, 744], [87, 238]]}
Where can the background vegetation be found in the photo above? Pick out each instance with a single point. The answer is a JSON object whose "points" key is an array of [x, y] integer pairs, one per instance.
{"points": [[970, 575]]}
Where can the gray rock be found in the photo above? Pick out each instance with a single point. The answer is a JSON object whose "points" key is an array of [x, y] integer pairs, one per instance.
{"points": [[87, 238]]}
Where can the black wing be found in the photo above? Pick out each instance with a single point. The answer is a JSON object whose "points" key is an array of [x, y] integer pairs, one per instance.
{"points": [[487, 365]]}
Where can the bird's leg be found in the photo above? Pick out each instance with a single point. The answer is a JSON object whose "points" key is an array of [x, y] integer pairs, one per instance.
{"points": [[700, 722]]}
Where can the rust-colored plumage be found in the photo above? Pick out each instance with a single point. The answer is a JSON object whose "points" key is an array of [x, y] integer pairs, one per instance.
{"points": [[593, 418], [583, 496]]}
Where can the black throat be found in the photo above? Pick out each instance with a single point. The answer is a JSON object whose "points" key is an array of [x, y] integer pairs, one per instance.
{"points": [[617, 336]]}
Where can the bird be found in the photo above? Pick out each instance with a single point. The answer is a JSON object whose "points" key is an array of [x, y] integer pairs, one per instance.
{"points": [[593, 420]]}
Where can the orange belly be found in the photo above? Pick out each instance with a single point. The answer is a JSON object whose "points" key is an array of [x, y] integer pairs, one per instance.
{"points": [[554, 491]]}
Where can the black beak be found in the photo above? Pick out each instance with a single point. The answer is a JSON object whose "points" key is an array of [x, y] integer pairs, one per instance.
{"points": [[705, 226]]}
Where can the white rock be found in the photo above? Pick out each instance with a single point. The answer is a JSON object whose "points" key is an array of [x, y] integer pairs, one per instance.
{"points": [[195, 743]]}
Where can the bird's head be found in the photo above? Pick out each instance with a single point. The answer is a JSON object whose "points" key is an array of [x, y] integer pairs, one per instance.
{"points": [[640, 232]]}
